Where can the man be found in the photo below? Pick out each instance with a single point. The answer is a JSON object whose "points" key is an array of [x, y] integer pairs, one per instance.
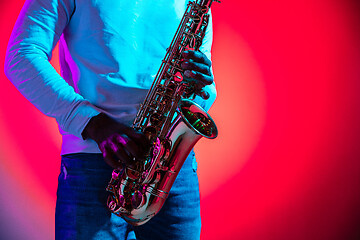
{"points": [[110, 52]]}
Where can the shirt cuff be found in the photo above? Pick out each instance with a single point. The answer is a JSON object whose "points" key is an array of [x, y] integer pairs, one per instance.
{"points": [[80, 118]]}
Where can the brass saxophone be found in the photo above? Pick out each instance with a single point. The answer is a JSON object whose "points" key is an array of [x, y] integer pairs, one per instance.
{"points": [[171, 121]]}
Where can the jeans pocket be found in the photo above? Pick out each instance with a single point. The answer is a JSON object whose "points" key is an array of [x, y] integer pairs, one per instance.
{"points": [[194, 163], [63, 172]]}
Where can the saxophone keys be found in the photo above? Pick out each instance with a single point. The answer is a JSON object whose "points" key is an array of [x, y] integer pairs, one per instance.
{"points": [[114, 204], [178, 77]]}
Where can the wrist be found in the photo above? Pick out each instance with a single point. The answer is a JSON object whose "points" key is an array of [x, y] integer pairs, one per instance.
{"points": [[92, 126]]}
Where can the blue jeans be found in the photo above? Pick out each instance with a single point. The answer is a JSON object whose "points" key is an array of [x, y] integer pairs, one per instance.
{"points": [[81, 211]]}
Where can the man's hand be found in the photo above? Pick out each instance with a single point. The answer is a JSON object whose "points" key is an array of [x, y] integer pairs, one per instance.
{"points": [[118, 143], [196, 68]]}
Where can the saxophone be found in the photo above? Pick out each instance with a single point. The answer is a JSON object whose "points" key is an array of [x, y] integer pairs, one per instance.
{"points": [[171, 122]]}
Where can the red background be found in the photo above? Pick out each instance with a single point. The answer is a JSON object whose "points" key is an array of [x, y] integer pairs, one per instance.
{"points": [[286, 163]]}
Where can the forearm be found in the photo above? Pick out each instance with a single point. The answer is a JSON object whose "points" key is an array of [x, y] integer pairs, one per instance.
{"points": [[33, 75], [206, 49]]}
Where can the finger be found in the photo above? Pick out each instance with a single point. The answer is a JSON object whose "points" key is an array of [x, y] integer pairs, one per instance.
{"points": [[124, 156], [138, 138], [109, 156], [199, 67], [196, 56], [127, 146], [201, 79], [119, 153]]}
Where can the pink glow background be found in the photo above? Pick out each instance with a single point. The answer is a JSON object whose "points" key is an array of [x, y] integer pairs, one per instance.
{"points": [[286, 164]]}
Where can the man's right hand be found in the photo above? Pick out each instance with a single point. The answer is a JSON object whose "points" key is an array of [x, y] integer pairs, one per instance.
{"points": [[118, 143]]}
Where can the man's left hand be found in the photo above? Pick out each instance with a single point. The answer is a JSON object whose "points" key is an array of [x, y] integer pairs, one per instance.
{"points": [[196, 68]]}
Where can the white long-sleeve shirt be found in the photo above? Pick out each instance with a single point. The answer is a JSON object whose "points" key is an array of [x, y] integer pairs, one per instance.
{"points": [[110, 52]]}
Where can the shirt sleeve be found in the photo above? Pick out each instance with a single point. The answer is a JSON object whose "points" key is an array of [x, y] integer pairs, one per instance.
{"points": [[35, 34], [206, 49]]}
